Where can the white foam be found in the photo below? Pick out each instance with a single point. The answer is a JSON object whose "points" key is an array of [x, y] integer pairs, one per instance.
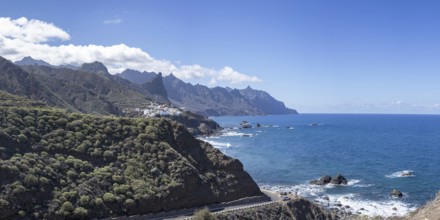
{"points": [[304, 190], [349, 202], [353, 182], [401, 174], [217, 144], [235, 134]]}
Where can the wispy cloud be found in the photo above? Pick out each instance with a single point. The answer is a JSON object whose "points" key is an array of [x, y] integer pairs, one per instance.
{"points": [[113, 21], [23, 37]]}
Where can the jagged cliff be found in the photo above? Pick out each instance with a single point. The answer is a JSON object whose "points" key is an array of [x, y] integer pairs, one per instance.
{"points": [[212, 101], [57, 165]]}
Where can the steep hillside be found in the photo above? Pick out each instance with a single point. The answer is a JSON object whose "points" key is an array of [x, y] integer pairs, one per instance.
{"points": [[87, 92], [60, 165], [15, 80]]}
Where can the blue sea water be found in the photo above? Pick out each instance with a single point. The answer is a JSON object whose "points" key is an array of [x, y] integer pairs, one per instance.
{"points": [[371, 151]]}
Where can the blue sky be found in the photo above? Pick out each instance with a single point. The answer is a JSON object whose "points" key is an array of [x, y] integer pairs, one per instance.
{"points": [[370, 56]]}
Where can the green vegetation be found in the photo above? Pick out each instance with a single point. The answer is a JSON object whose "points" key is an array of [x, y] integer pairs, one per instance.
{"points": [[203, 214], [55, 165]]}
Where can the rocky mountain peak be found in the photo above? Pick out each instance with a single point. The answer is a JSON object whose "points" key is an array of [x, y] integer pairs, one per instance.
{"points": [[95, 67], [31, 61]]}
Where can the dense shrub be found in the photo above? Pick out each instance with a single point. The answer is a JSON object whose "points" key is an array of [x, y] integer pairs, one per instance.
{"points": [[58, 165]]}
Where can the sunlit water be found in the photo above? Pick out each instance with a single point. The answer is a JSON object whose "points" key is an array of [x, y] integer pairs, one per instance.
{"points": [[371, 151]]}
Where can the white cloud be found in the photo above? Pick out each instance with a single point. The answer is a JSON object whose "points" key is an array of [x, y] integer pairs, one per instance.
{"points": [[113, 21], [23, 37], [33, 31]]}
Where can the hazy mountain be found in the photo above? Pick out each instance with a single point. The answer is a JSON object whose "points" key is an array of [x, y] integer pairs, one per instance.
{"points": [[136, 76], [26, 61], [208, 101], [222, 101], [214, 101], [31, 61], [265, 102]]}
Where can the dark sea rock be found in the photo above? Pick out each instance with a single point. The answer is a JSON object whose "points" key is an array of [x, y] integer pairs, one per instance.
{"points": [[322, 181], [406, 173], [338, 180], [396, 193]]}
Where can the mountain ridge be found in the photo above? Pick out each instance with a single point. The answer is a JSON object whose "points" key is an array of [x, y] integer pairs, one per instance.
{"points": [[215, 101], [92, 89]]}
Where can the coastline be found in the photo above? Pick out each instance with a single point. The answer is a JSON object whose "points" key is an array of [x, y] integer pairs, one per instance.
{"points": [[274, 160]]}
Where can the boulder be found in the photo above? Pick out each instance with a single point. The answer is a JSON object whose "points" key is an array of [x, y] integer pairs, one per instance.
{"points": [[396, 193], [322, 181], [338, 180]]}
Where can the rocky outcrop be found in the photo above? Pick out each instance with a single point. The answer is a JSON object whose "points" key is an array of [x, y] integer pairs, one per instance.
{"points": [[299, 209], [396, 193], [337, 180], [196, 124], [322, 181], [156, 88]]}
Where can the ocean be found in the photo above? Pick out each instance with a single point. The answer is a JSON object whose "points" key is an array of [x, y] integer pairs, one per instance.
{"points": [[371, 151]]}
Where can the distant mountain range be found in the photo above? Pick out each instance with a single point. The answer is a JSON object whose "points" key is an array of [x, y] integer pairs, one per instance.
{"points": [[215, 101], [90, 88]]}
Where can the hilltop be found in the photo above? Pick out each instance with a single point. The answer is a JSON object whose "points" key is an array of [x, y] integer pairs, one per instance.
{"points": [[56, 164]]}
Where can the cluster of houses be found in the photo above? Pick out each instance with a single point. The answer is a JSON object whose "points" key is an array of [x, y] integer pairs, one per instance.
{"points": [[155, 110]]}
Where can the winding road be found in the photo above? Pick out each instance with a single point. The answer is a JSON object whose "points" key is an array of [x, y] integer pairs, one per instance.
{"points": [[272, 197]]}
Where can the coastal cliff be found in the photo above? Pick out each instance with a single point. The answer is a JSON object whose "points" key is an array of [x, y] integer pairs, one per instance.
{"points": [[430, 211], [60, 165]]}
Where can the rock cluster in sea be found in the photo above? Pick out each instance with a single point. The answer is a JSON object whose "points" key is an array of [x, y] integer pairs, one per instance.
{"points": [[337, 180]]}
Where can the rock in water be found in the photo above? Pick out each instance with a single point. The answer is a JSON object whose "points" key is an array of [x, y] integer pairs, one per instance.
{"points": [[338, 180], [406, 173], [324, 180], [396, 193]]}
